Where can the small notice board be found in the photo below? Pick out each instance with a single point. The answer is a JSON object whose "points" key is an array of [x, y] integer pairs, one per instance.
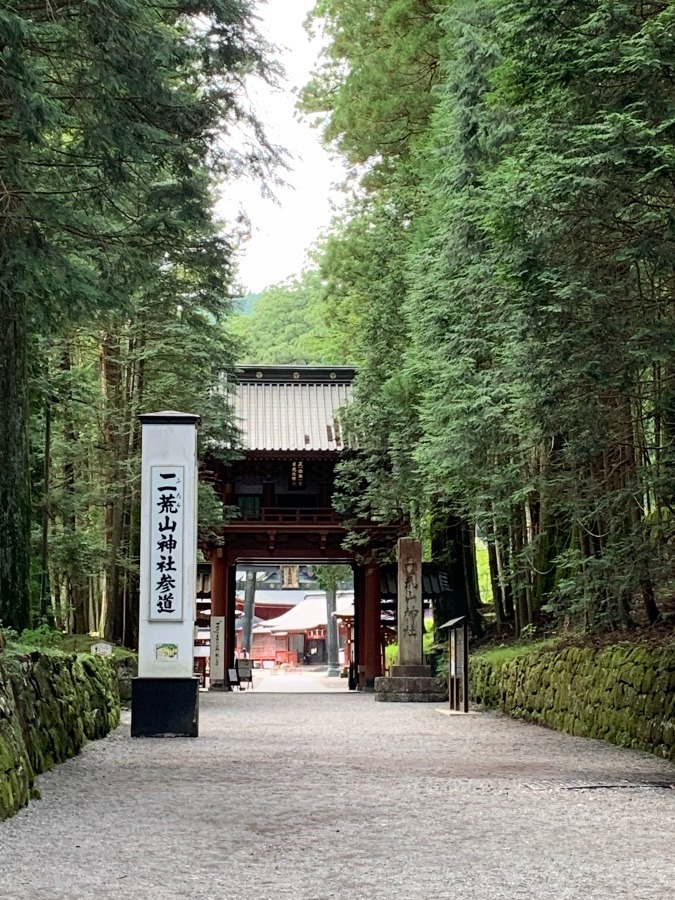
{"points": [[245, 671], [458, 630]]}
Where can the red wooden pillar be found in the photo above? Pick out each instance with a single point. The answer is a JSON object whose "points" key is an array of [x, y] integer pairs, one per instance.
{"points": [[372, 627], [359, 627]]}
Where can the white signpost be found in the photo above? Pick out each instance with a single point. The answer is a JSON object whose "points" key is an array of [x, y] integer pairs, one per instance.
{"points": [[165, 694], [217, 648]]}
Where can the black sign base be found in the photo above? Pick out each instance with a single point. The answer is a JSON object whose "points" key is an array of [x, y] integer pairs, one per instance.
{"points": [[164, 706]]}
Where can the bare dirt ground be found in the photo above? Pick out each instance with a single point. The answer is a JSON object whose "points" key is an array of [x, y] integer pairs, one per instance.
{"points": [[332, 795]]}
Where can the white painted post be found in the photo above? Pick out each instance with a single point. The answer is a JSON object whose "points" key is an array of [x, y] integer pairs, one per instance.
{"points": [[165, 690], [217, 663]]}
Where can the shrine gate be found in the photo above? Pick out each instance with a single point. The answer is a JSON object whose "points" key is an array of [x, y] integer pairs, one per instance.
{"points": [[282, 487]]}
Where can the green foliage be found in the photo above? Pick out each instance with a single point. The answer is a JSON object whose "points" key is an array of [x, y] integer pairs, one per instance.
{"points": [[507, 275], [377, 74], [483, 567], [497, 656], [245, 305], [114, 274], [331, 577], [289, 323], [42, 636], [547, 341]]}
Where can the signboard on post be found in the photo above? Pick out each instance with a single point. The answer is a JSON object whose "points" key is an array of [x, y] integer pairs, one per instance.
{"points": [[458, 688], [245, 670], [459, 651], [217, 672]]}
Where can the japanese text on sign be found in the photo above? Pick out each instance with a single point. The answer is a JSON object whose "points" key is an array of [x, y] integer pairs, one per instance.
{"points": [[166, 550]]}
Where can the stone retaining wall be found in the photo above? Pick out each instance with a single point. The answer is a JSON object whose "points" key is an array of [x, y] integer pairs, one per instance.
{"points": [[50, 705], [624, 694]]}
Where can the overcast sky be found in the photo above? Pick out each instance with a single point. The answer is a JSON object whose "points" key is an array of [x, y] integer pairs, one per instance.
{"points": [[282, 233]]}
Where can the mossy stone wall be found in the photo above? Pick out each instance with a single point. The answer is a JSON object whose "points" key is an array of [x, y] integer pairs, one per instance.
{"points": [[624, 694], [50, 704]]}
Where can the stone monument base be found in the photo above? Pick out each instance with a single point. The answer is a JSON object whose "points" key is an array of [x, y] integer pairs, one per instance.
{"points": [[164, 706], [410, 672], [411, 687]]}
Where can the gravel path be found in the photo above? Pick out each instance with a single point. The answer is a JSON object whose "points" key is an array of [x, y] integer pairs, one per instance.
{"points": [[297, 681], [331, 795]]}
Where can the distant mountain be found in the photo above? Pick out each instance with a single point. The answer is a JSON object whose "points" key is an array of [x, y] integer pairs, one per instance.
{"points": [[244, 305]]}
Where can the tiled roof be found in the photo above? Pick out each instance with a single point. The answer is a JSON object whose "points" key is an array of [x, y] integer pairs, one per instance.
{"points": [[311, 613], [276, 598], [292, 410]]}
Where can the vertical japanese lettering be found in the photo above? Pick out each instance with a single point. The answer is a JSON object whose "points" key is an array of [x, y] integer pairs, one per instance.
{"points": [[166, 551]]}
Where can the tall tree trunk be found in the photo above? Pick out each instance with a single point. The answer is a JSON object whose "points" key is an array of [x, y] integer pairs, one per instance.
{"points": [[495, 582], [468, 549], [60, 616], [77, 587], [45, 591], [15, 502], [518, 579], [131, 447], [505, 581], [110, 383]]}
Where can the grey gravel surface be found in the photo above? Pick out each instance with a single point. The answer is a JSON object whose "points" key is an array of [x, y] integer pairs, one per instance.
{"points": [[335, 796]]}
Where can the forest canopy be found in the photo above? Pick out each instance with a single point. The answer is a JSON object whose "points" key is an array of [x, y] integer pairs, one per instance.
{"points": [[116, 125], [505, 279], [502, 275]]}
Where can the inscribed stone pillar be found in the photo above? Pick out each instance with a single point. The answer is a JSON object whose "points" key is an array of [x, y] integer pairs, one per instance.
{"points": [[165, 695], [410, 608], [359, 667]]}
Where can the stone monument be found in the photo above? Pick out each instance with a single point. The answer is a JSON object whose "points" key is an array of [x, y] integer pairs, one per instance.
{"points": [[164, 697], [411, 680]]}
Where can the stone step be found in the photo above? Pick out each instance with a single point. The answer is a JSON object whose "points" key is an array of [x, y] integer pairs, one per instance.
{"points": [[388, 684], [411, 697]]}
